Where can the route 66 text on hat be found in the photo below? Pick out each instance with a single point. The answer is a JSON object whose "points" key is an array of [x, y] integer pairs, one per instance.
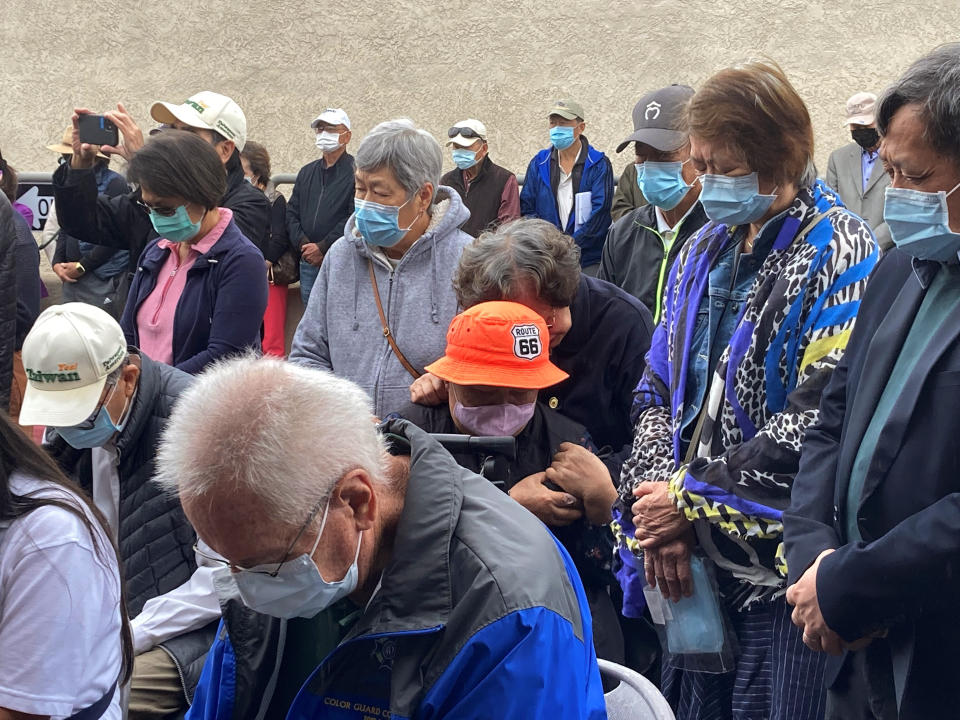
{"points": [[207, 110], [498, 344], [67, 355]]}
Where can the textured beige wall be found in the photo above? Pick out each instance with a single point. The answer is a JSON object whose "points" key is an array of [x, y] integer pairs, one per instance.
{"points": [[435, 62]]}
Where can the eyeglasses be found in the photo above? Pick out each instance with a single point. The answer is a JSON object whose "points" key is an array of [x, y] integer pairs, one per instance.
{"points": [[161, 211], [226, 563], [464, 131], [92, 419], [553, 319]]}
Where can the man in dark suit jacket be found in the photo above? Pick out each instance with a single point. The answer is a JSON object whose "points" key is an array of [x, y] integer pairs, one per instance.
{"points": [[855, 170], [872, 535]]}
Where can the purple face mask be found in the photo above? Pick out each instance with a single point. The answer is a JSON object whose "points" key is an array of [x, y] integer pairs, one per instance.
{"points": [[494, 420]]}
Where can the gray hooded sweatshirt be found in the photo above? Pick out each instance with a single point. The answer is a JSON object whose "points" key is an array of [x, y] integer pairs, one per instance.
{"points": [[341, 331]]}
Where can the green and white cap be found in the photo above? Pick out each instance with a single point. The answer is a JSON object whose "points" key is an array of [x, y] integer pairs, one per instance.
{"points": [[67, 355], [207, 110]]}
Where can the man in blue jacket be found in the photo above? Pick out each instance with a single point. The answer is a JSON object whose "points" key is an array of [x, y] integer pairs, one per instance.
{"points": [[378, 578], [570, 184]]}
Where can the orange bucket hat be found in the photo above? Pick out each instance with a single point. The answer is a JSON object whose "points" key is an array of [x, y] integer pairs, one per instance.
{"points": [[498, 344]]}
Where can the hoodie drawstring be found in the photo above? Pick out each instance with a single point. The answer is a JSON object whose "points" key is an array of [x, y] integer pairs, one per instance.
{"points": [[435, 285], [357, 272]]}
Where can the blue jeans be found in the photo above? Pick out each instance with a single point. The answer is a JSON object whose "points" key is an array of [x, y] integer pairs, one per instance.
{"points": [[308, 276]]}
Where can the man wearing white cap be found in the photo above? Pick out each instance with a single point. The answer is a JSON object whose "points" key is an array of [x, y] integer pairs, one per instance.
{"points": [[490, 192], [106, 406], [123, 222], [322, 197], [855, 170]]}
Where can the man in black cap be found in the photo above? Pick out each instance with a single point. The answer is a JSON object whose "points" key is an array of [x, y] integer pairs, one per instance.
{"points": [[642, 245]]}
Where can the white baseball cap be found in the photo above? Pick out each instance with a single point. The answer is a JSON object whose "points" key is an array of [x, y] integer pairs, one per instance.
{"points": [[67, 355], [332, 116], [207, 110], [475, 129]]}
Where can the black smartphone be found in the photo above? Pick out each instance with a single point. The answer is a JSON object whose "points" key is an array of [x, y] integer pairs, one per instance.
{"points": [[97, 130]]}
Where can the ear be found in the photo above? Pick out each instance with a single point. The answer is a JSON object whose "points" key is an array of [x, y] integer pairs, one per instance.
{"points": [[345, 138], [129, 376], [225, 150], [425, 195], [357, 491]]}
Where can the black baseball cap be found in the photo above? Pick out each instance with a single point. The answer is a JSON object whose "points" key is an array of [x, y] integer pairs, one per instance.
{"points": [[656, 117]]}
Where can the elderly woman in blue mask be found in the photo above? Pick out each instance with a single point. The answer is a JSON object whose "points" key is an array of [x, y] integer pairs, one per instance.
{"points": [[383, 300], [758, 309]]}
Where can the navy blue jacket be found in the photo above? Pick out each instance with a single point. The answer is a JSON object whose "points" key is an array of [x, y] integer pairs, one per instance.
{"points": [[903, 577], [222, 305], [538, 198], [604, 353]]}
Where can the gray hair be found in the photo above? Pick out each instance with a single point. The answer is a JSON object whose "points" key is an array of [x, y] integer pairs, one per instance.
{"points": [[283, 432], [413, 155], [932, 83], [526, 255]]}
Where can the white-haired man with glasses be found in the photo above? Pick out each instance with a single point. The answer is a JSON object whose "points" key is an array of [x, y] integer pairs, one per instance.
{"points": [[362, 575], [105, 406]]}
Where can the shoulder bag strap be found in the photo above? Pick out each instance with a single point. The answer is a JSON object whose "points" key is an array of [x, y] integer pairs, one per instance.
{"points": [[386, 328]]}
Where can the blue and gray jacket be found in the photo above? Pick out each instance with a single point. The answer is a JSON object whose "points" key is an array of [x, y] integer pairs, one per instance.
{"points": [[592, 173], [479, 614]]}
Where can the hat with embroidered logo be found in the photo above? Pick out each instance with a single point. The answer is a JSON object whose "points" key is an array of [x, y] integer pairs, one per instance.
{"points": [[206, 110], [498, 344], [657, 117], [67, 355], [861, 109]]}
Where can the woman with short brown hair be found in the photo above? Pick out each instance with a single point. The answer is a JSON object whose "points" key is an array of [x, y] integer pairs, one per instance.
{"points": [[757, 311]]}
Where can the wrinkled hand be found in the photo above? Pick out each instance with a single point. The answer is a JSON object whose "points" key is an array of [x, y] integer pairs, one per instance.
{"points": [[582, 474], [807, 616], [655, 516], [84, 154], [667, 567], [553, 508], [67, 272], [311, 253], [428, 390], [130, 133]]}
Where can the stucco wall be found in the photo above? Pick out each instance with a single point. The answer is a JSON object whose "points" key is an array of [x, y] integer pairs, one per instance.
{"points": [[435, 62]]}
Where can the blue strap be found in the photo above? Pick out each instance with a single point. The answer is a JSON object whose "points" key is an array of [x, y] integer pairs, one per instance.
{"points": [[96, 711]]}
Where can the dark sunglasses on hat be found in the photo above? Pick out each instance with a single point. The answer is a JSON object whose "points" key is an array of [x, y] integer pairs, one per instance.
{"points": [[465, 131]]}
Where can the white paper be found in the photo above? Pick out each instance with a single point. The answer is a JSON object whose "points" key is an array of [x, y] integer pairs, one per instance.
{"points": [[655, 605], [582, 208]]}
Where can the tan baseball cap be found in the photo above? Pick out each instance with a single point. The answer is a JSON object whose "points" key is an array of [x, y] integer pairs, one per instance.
{"points": [[67, 355], [861, 109], [567, 109], [207, 110]]}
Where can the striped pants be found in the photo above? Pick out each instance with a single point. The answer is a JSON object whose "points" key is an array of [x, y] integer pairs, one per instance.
{"points": [[776, 676]]}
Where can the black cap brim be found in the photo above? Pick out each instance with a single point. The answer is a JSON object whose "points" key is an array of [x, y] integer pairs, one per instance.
{"points": [[659, 138]]}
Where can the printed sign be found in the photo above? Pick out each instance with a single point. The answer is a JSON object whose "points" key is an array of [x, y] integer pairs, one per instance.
{"points": [[38, 197]]}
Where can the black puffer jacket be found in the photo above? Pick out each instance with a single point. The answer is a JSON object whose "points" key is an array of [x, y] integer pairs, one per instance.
{"points": [[156, 539], [120, 222], [8, 299]]}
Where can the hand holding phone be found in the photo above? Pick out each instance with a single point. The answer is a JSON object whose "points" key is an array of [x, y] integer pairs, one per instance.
{"points": [[97, 130]]}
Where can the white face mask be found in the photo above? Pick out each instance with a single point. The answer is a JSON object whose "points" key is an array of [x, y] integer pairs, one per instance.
{"points": [[328, 141], [298, 589]]}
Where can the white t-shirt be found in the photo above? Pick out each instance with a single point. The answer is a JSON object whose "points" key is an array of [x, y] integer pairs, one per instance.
{"points": [[59, 610]]}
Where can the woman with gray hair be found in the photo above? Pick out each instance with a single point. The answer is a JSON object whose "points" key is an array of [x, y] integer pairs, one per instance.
{"points": [[382, 302]]}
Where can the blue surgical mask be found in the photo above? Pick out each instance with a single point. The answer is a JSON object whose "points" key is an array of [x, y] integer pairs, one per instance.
{"points": [[734, 200], [298, 589], [378, 224], [464, 159], [561, 136], [919, 223], [176, 228], [97, 436], [662, 183]]}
